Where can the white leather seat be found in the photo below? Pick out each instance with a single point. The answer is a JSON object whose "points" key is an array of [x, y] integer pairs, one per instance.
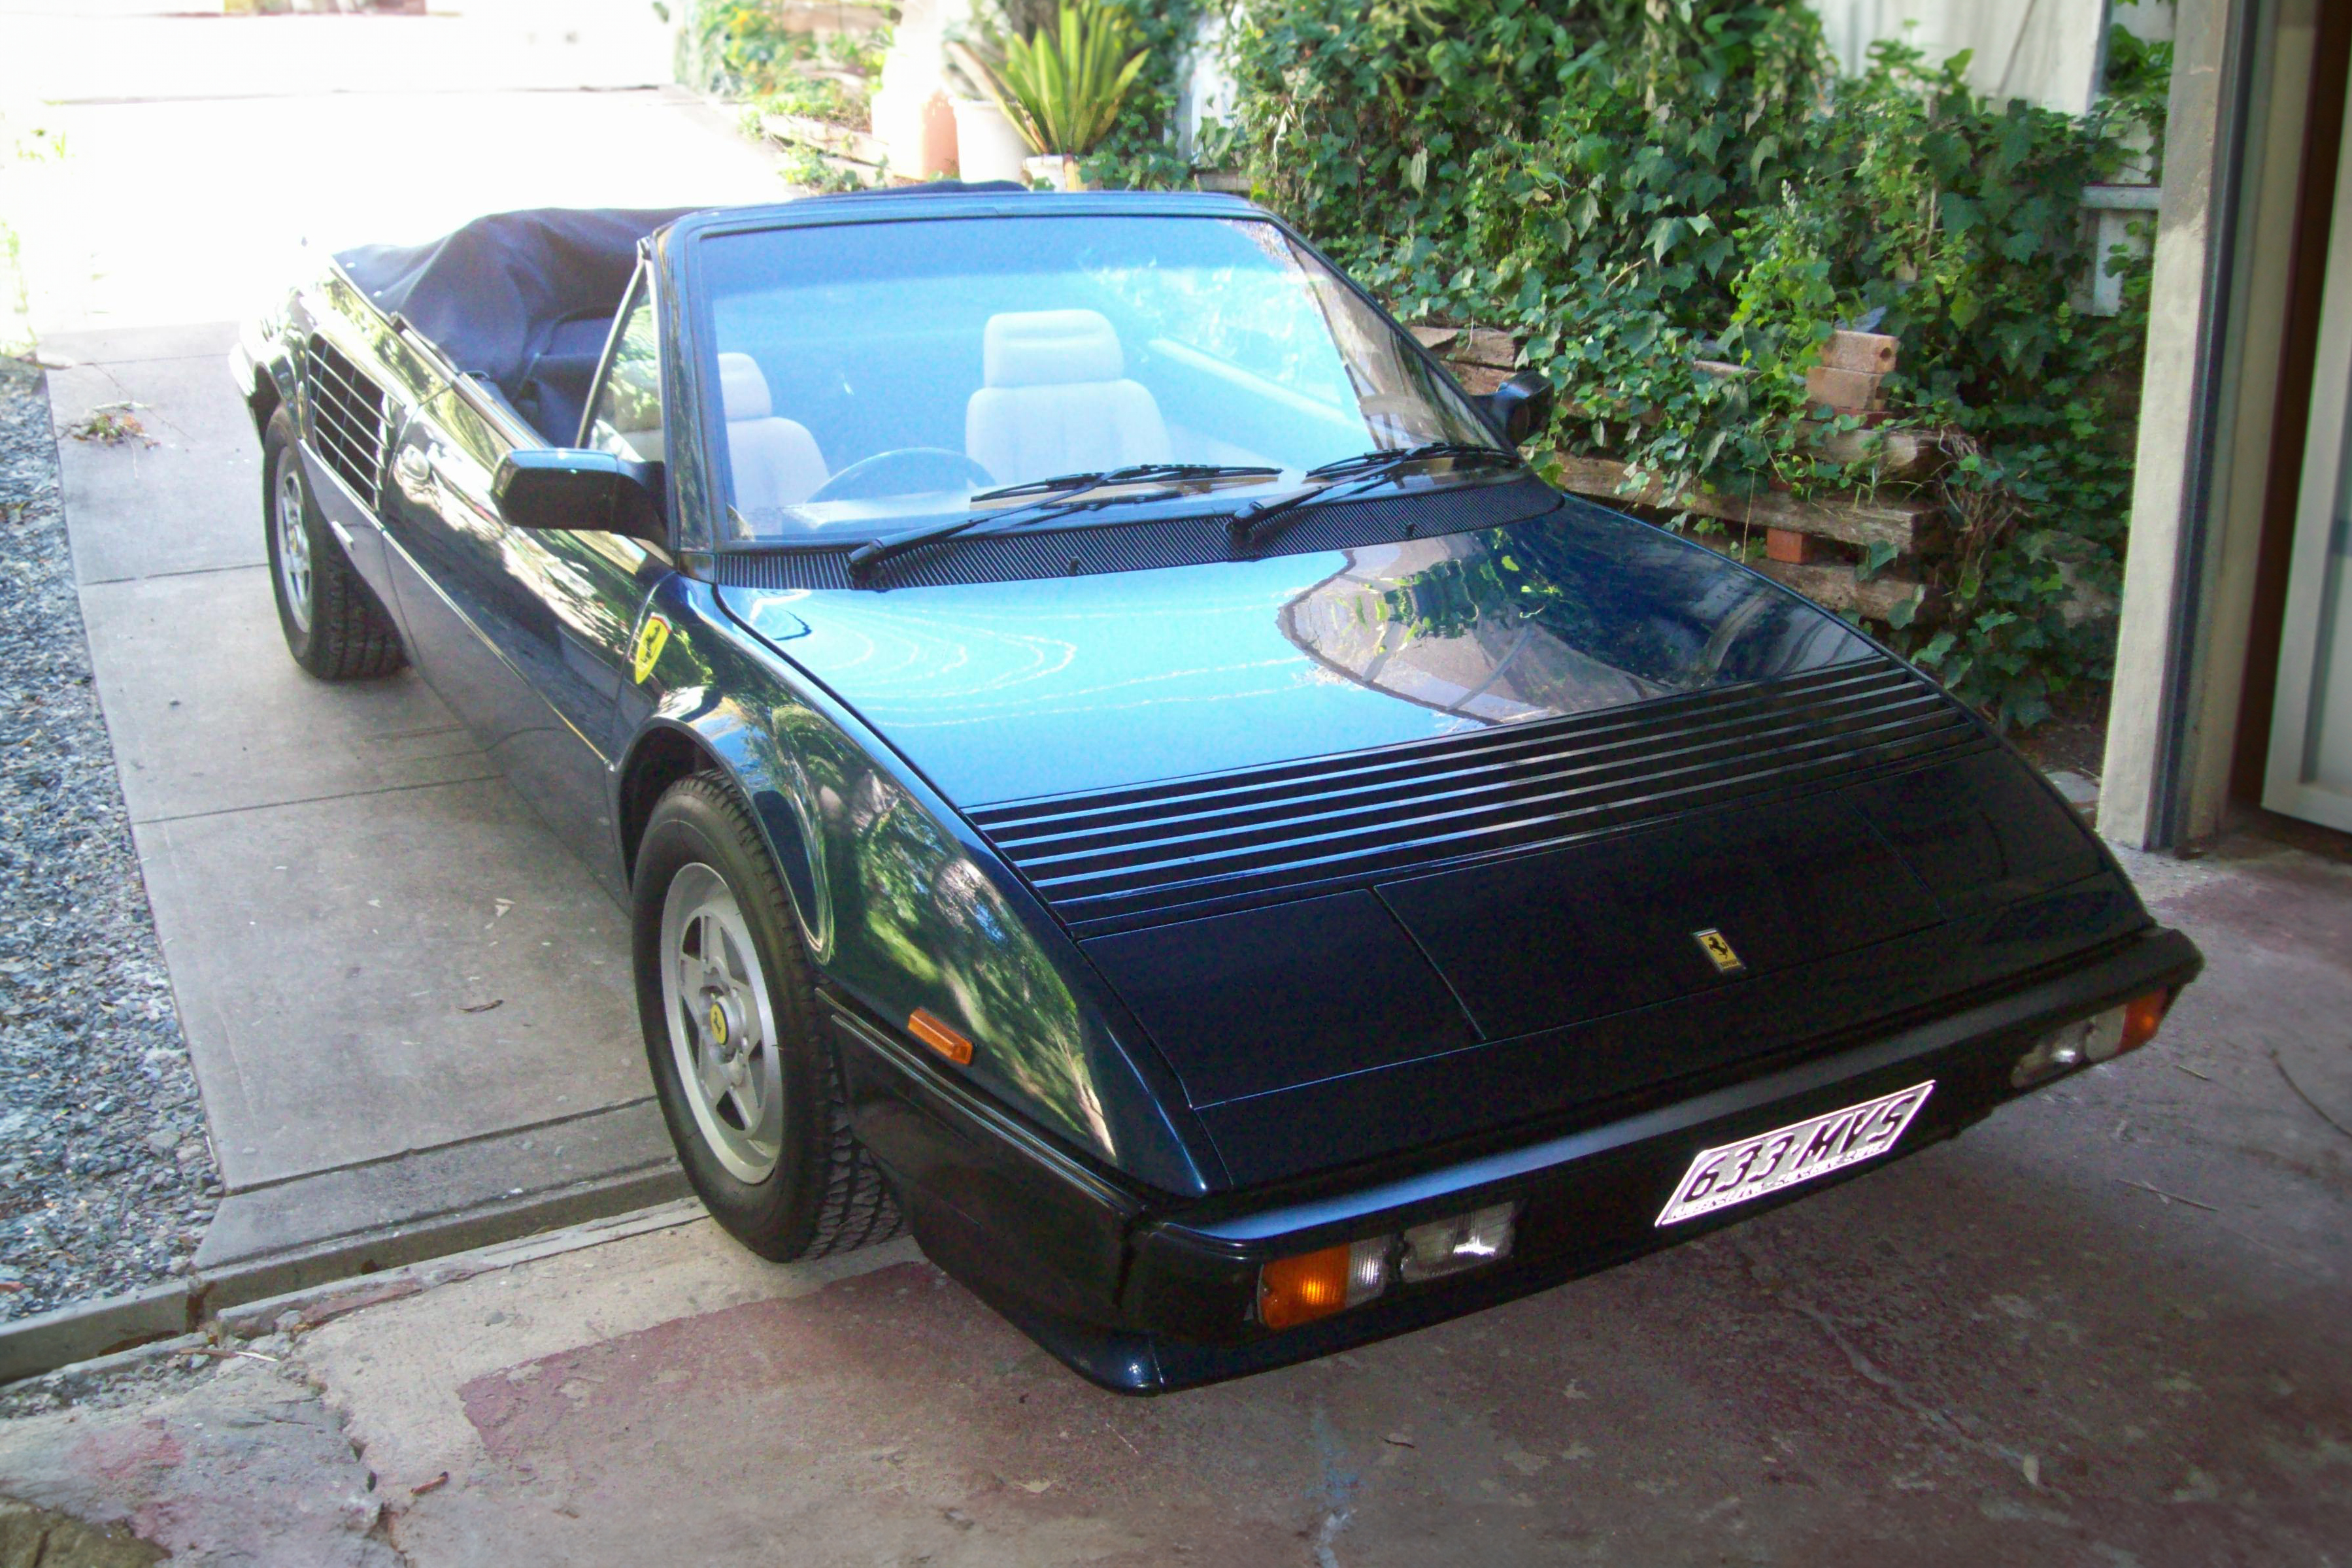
{"points": [[1055, 399], [775, 461]]}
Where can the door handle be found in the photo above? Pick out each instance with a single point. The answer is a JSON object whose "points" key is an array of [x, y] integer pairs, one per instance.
{"points": [[412, 472]]}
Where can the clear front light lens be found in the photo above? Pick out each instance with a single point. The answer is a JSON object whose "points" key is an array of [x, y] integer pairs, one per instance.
{"points": [[2101, 1038], [1445, 1247]]}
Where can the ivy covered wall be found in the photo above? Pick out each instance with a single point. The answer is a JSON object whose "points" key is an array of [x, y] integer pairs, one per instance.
{"points": [[1633, 185]]}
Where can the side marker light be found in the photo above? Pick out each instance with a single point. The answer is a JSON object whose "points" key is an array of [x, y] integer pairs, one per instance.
{"points": [[927, 1027]]}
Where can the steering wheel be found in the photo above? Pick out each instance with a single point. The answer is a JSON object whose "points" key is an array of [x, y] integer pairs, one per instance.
{"points": [[905, 471]]}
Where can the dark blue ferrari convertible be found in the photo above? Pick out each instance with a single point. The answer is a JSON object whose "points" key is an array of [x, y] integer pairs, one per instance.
{"points": [[1115, 763]]}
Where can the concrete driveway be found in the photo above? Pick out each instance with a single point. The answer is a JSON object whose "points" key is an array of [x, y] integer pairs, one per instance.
{"points": [[2103, 1329], [406, 1004], [2106, 1328]]}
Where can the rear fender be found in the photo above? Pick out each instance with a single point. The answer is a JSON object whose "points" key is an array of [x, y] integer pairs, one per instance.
{"points": [[262, 365]]}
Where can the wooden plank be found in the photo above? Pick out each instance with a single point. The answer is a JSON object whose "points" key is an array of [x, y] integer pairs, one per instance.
{"points": [[1836, 589], [819, 18], [1899, 454], [1873, 352], [1489, 346], [1907, 525], [823, 136]]}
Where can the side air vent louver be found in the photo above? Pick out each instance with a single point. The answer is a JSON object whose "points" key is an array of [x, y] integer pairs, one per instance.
{"points": [[347, 421], [1174, 849]]}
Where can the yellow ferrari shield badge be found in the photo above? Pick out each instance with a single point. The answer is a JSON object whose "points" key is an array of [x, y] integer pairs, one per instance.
{"points": [[650, 643], [1718, 951]]}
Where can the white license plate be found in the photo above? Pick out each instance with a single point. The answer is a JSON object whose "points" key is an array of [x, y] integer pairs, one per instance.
{"points": [[1786, 1156]]}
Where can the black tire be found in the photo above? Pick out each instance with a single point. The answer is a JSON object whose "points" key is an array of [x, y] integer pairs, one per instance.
{"points": [[824, 1193], [342, 632]]}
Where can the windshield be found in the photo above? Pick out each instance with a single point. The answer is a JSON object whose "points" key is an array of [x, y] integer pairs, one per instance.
{"points": [[879, 376]]}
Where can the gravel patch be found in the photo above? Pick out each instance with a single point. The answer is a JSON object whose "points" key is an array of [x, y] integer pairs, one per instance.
{"points": [[107, 1178]]}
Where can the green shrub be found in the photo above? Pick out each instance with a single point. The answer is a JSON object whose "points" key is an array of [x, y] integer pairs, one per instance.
{"points": [[1632, 185], [1062, 84]]}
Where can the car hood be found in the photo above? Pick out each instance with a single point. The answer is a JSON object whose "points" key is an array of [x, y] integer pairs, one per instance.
{"points": [[1343, 818], [1010, 691]]}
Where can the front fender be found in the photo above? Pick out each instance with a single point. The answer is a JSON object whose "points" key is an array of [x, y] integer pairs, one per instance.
{"points": [[904, 909], [767, 772]]}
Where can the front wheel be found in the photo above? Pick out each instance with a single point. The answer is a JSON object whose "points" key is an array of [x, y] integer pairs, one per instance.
{"points": [[748, 1084], [334, 626]]}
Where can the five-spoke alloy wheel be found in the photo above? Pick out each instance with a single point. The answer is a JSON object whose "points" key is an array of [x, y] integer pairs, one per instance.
{"points": [[293, 544], [335, 627], [722, 1029], [743, 1066]]}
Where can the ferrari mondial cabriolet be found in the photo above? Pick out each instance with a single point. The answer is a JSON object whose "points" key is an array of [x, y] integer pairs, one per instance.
{"points": [[1115, 763]]}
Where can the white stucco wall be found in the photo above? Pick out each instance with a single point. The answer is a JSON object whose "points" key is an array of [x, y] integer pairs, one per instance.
{"points": [[2045, 51]]}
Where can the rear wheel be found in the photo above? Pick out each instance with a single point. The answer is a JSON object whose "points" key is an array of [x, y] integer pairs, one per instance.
{"points": [[748, 1084], [334, 626]]}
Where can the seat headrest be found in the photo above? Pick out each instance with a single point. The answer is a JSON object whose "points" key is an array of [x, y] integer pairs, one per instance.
{"points": [[1050, 348], [742, 390]]}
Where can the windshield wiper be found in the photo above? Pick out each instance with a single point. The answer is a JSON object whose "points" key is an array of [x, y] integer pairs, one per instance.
{"points": [[1056, 497], [1365, 468], [1138, 474]]}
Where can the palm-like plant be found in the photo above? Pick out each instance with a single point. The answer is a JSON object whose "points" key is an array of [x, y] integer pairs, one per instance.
{"points": [[1062, 87]]}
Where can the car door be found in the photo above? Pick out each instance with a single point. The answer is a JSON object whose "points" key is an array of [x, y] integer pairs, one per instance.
{"points": [[525, 632]]}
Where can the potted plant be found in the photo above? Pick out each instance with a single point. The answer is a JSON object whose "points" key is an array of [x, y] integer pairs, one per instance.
{"points": [[987, 145], [1060, 86]]}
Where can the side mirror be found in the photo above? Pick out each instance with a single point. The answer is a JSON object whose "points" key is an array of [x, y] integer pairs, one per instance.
{"points": [[1521, 404], [580, 491]]}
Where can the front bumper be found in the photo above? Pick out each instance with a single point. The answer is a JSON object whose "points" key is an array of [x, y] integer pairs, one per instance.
{"points": [[1143, 1300]]}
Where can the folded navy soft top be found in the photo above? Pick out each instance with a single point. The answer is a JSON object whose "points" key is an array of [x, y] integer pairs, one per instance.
{"points": [[521, 300]]}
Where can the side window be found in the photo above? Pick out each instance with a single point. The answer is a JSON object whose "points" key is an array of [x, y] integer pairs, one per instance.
{"points": [[626, 417]]}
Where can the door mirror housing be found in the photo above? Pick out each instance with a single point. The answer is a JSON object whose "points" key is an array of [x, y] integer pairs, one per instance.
{"points": [[578, 490], [1521, 405]]}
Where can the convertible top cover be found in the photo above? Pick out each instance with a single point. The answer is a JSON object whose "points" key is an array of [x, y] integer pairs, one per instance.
{"points": [[523, 300]]}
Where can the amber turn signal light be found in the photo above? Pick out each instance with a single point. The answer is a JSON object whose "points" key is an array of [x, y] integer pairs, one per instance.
{"points": [[927, 1027], [1294, 1291], [2141, 1017]]}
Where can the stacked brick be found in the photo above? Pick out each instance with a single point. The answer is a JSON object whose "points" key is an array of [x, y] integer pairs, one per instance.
{"points": [[1817, 545]]}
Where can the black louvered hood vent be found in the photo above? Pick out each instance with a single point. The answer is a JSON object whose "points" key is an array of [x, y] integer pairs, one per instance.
{"points": [[1175, 849], [347, 421]]}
